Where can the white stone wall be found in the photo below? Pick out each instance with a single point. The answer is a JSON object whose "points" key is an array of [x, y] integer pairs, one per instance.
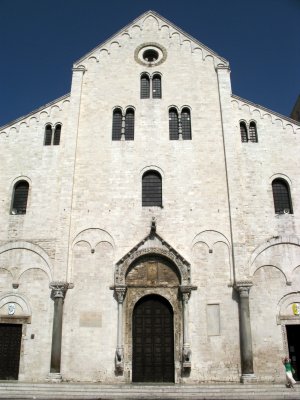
{"points": [[84, 208]]}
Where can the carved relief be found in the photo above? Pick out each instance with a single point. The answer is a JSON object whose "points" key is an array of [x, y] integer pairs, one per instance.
{"points": [[152, 272]]}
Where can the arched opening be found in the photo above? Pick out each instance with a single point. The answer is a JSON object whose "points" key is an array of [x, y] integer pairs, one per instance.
{"points": [[20, 196], [152, 340]]}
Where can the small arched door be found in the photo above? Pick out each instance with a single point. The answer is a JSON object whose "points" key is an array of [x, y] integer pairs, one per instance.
{"points": [[152, 340]]}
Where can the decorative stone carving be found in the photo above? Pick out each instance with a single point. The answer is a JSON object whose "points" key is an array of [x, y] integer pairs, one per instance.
{"points": [[120, 293], [58, 289]]}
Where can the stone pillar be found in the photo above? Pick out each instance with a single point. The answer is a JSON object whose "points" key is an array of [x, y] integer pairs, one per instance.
{"points": [[186, 350], [243, 289], [58, 292], [119, 356]]}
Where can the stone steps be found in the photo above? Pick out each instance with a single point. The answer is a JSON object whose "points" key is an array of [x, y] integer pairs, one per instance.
{"points": [[65, 391]]}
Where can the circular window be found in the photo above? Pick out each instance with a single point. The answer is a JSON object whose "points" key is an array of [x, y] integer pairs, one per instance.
{"points": [[150, 54]]}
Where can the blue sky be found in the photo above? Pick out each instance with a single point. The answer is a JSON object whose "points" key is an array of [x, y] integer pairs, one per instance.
{"points": [[40, 40]]}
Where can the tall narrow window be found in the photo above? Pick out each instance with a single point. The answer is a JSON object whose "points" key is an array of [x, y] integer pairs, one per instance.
{"points": [[48, 135], [145, 86], [173, 124], [252, 132], [282, 197], [57, 131], [20, 195], [156, 87], [151, 189], [117, 124], [186, 124], [244, 133], [129, 124]]}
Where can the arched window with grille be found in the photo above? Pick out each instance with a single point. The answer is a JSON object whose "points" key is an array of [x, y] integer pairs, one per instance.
{"points": [[244, 133], [20, 196], [48, 135], [173, 124], [282, 197], [156, 86], [117, 124], [129, 124], [145, 86], [151, 189], [57, 132], [186, 124], [252, 132]]}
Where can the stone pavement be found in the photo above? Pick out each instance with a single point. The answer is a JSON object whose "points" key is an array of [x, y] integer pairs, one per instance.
{"points": [[76, 391]]}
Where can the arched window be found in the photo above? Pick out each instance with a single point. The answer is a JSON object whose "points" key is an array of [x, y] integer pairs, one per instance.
{"points": [[20, 195], [117, 124], [282, 197], [48, 135], [57, 132], [252, 132], [145, 86], [244, 133], [129, 124], [186, 124], [156, 87], [151, 189], [173, 124]]}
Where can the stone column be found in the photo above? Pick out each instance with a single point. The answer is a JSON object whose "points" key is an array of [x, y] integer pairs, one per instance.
{"points": [[119, 356], [58, 292], [186, 350], [243, 289]]}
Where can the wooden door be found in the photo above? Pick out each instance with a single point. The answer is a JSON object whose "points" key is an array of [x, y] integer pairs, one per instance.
{"points": [[10, 346], [153, 341]]}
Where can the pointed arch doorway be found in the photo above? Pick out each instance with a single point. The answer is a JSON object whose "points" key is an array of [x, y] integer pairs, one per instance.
{"points": [[152, 340]]}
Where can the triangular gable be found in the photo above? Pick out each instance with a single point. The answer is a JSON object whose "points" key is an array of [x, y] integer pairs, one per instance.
{"points": [[153, 240], [161, 21], [150, 245]]}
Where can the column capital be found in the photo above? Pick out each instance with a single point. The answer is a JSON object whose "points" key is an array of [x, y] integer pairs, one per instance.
{"points": [[243, 287], [186, 291], [120, 292], [58, 289]]}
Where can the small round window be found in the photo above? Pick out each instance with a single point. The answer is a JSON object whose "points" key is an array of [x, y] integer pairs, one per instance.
{"points": [[150, 55]]}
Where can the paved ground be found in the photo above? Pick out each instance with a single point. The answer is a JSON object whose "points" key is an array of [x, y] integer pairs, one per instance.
{"points": [[73, 391]]}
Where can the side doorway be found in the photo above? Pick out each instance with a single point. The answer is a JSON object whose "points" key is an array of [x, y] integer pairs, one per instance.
{"points": [[10, 348], [152, 340], [293, 337]]}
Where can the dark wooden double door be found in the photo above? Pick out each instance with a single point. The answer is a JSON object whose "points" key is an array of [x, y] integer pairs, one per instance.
{"points": [[153, 340], [10, 345]]}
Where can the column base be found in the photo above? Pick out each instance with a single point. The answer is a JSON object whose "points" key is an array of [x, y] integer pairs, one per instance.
{"points": [[54, 377], [248, 378]]}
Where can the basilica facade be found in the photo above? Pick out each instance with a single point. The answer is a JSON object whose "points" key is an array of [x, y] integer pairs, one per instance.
{"points": [[150, 223]]}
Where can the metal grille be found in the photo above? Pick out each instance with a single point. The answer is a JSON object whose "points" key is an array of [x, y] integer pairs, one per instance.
{"points": [[151, 189], [48, 135], [57, 132], [282, 198], [129, 125], [186, 124], [243, 130], [10, 346], [153, 341], [145, 87], [156, 87], [252, 132], [20, 198], [117, 125], [173, 124]]}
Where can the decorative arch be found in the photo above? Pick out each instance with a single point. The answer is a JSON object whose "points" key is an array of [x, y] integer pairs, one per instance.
{"points": [[255, 263], [22, 311], [33, 248]]}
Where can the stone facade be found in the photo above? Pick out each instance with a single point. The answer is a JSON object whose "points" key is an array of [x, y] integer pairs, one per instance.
{"points": [[74, 266]]}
